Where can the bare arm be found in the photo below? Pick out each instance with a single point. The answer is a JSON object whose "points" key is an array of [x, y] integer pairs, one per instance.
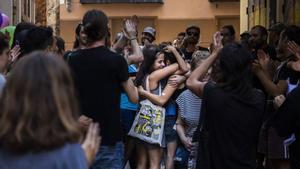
{"points": [[131, 33], [131, 91], [183, 67], [157, 75], [195, 82], [137, 55], [272, 88], [156, 99], [180, 128], [260, 68]]}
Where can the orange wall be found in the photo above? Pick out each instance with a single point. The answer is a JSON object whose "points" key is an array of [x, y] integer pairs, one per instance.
{"points": [[171, 9], [168, 29], [170, 18]]}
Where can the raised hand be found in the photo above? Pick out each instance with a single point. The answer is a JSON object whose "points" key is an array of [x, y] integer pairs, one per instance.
{"points": [[130, 29], [91, 143], [295, 50], [263, 59], [218, 41], [135, 20], [15, 53]]}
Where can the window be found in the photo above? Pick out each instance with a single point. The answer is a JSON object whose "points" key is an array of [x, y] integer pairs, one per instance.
{"points": [[121, 1]]}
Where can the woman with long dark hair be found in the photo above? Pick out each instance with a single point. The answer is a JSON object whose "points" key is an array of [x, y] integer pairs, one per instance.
{"points": [[153, 71], [232, 110]]}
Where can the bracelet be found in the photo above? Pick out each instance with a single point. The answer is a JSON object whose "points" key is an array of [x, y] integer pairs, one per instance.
{"points": [[132, 39]]}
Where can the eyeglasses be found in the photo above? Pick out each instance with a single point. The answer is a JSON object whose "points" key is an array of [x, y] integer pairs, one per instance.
{"points": [[190, 33]]}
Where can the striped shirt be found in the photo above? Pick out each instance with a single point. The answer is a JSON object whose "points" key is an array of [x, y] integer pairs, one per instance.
{"points": [[189, 108]]}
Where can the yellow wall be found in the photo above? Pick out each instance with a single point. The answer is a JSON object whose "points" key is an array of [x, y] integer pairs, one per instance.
{"points": [[169, 18], [171, 9], [243, 16], [261, 13]]}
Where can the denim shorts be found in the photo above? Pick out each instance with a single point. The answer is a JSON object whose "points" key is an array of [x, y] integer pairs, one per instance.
{"points": [[170, 132], [109, 157]]}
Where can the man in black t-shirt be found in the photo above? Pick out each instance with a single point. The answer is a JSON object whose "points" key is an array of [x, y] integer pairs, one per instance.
{"points": [[99, 77]]}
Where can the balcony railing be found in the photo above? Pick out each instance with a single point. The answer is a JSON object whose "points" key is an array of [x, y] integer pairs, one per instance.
{"points": [[120, 1]]}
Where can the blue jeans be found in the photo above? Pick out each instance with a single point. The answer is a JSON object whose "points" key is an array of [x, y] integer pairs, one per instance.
{"points": [[110, 157]]}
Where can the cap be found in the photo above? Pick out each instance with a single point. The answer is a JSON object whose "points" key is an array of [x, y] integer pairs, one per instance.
{"points": [[150, 30], [278, 27]]}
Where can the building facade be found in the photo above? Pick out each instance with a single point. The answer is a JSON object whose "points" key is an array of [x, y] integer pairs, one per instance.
{"points": [[168, 17], [268, 12], [39, 12]]}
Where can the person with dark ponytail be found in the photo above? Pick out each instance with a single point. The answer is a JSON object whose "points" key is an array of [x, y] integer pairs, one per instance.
{"points": [[100, 75]]}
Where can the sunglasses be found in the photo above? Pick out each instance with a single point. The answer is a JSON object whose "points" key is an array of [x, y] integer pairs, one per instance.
{"points": [[193, 33]]}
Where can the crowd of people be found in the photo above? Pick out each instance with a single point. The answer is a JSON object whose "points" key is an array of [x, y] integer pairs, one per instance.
{"points": [[232, 105]]}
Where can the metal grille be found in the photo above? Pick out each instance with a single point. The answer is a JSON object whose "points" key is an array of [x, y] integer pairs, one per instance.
{"points": [[121, 1]]}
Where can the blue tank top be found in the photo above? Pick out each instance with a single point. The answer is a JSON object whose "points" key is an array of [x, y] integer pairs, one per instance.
{"points": [[125, 103]]}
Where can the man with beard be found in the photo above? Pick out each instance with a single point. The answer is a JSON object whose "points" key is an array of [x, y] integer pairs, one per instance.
{"points": [[228, 34], [190, 42], [258, 41]]}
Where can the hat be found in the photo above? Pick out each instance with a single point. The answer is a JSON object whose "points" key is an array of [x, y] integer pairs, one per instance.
{"points": [[150, 30], [278, 27]]}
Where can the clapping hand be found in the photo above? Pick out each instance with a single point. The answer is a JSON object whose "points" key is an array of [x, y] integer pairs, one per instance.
{"points": [[15, 53], [218, 41], [263, 59], [295, 50]]}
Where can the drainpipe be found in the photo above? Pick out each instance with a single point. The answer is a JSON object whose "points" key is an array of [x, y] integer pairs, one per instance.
{"points": [[68, 5], [53, 15]]}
